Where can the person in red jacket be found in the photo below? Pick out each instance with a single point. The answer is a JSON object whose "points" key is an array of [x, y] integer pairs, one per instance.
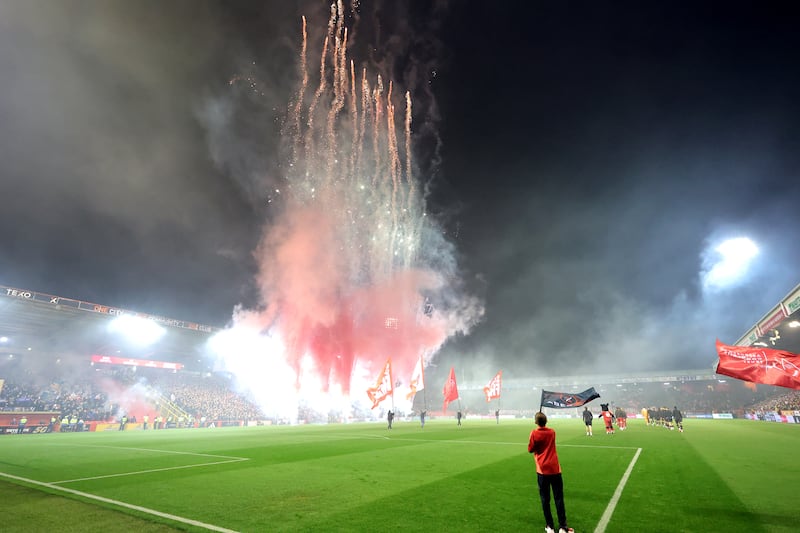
{"points": [[542, 444]]}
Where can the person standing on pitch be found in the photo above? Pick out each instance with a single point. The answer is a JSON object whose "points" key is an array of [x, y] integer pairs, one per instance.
{"points": [[678, 417], [458, 417], [587, 419], [390, 417], [608, 418], [542, 444], [422, 419]]}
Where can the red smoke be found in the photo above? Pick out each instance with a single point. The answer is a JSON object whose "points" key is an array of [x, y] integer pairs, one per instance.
{"points": [[318, 311]]}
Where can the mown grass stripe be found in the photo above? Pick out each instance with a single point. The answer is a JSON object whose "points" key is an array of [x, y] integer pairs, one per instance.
{"points": [[150, 471], [604, 520], [118, 503]]}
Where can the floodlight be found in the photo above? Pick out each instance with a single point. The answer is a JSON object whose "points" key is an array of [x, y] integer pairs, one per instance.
{"points": [[731, 264], [137, 330]]}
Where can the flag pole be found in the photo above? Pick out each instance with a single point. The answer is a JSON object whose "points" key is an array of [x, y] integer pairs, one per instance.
{"points": [[424, 391], [391, 380], [541, 402]]}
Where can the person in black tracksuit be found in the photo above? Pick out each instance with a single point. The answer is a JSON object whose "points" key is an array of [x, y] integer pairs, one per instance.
{"points": [[677, 416], [587, 419]]}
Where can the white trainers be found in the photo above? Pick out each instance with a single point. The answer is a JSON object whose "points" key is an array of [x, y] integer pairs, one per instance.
{"points": [[548, 529], [568, 530]]}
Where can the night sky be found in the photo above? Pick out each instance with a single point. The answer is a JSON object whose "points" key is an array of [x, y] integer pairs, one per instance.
{"points": [[582, 159]]}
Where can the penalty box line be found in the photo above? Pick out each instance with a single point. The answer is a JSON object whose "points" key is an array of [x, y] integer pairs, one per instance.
{"points": [[491, 442], [174, 452], [176, 518], [228, 459], [606, 518], [149, 471]]}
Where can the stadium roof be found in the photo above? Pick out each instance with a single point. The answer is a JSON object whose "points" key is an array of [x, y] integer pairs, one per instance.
{"points": [[572, 383], [38, 324], [779, 328], [35, 323]]}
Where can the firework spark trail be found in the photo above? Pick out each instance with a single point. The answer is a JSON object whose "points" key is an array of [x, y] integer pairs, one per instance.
{"points": [[377, 113], [412, 189], [342, 272], [394, 159], [339, 90], [353, 116], [309, 143], [301, 94]]}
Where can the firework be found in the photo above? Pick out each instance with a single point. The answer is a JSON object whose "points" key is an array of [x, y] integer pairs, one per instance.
{"points": [[342, 264]]}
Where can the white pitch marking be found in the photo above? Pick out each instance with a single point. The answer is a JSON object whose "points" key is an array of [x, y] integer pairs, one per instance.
{"points": [[149, 471], [601, 526], [595, 446], [174, 452], [523, 444], [118, 503]]}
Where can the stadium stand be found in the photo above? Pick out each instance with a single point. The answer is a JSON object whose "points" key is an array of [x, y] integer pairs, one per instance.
{"points": [[45, 372]]}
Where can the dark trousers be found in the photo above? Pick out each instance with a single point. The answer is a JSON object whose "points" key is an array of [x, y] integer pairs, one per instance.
{"points": [[557, 483]]}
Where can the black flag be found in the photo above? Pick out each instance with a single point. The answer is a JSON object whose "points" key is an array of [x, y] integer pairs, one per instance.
{"points": [[564, 400]]}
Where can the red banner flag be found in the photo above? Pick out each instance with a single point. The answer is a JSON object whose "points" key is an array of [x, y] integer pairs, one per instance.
{"points": [[384, 386], [114, 360], [492, 390], [417, 379], [450, 389], [759, 365]]}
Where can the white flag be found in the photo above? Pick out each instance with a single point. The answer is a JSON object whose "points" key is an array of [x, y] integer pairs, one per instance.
{"points": [[384, 387], [492, 390], [417, 379]]}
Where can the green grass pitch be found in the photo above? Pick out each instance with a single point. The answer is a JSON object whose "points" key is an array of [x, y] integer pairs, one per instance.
{"points": [[719, 475]]}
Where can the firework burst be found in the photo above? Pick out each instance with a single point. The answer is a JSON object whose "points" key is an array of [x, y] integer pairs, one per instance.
{"points": [[345, 265]]}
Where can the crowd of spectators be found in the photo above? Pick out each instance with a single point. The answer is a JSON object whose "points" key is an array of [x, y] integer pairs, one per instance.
{"points": [[208, 397], [786, 401], [80, 399], [107, 394], [95, 394]]}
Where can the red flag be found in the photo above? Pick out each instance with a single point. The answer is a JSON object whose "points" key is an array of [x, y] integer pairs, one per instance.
{"points": [[492, 390], [417, 379], [450, 389], [384, 386], [759, 365]]}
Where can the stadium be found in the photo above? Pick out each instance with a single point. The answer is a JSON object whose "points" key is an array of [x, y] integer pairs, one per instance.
{"points": [[59, 354], [400, 189], [51, 336]]}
